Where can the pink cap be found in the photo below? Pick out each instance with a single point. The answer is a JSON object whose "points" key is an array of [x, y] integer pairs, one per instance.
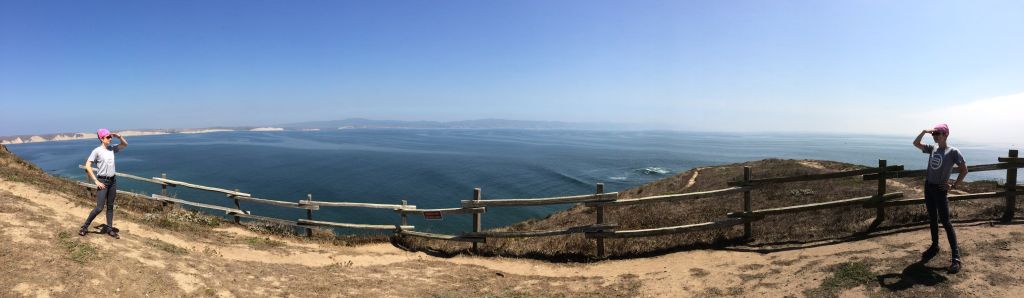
{"points": [[102, 133], [942, 128]]}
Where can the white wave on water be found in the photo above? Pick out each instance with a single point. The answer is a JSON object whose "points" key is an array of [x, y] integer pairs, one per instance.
{"points": [[654, 171], [617, 178]]}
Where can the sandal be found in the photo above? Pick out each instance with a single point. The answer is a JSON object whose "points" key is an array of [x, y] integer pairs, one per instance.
{"points": [[83, 231], [954, 266], [112, 231]]}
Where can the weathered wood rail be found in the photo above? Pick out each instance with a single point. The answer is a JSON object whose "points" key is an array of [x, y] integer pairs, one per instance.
{"points": [[540, 201], [355, 226], [309, 205], [600, 200]]}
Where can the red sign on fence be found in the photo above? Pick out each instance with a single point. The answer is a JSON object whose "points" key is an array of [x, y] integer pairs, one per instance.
{"points": [[432, 215]]}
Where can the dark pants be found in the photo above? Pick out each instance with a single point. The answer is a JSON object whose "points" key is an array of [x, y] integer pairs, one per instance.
{"points": [[938, 210], [104, 197]]}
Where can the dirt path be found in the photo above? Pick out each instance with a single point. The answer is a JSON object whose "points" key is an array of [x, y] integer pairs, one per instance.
{"points": [[36, 262], [693, 179]]}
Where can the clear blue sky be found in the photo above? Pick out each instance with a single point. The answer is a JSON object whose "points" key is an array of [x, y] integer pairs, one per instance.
{"points": [[695, 65]]}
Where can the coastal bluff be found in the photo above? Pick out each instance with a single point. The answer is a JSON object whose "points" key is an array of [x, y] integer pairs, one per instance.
{"points": [[184, 253]]}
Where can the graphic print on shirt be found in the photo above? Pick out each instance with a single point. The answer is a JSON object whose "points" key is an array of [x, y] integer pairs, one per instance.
{"points": [[936, 161]]}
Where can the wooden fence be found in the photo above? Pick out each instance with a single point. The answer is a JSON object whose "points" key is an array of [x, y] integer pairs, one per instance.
{"points": [[600, 200]]}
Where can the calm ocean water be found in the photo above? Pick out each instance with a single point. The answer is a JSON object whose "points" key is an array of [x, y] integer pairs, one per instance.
{"points": [[438, 168]]}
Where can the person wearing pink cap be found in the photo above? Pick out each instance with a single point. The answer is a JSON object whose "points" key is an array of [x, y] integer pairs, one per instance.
{"points": [[104, 178], [941, 158]]}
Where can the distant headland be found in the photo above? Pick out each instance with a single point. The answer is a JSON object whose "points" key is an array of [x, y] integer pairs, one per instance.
{"points": [[66, 136]]}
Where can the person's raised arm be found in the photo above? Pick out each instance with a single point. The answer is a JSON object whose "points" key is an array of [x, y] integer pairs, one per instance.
{"points": [[122, 142], [917, 141]]}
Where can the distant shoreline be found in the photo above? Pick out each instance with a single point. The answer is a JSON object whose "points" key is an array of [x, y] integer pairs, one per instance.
{"points": [[57, 137], [351, 123], [357, 123]]}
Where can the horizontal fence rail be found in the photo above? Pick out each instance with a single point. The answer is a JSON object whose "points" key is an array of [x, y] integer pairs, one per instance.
{"points": [[671, 198], [291, 223], [600, 200], [815, 206], [668, 230], [521, 234], [443, 211], [299, 205], [354, 226], [540, 201], [200, 205], [119, 192], [1016, 160], [201, 187], [811, 177], [922, 173], [129, 176], [353, 204], [236, 195]]}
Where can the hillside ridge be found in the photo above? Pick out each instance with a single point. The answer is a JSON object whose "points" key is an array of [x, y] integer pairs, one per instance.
{"points": [[181, 253]]}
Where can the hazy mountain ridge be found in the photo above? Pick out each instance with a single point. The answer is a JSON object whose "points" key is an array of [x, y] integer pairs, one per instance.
{"points": [[490, 123]]}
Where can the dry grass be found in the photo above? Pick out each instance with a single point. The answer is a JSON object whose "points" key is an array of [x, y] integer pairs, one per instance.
{"points": [[15, 169], [153, 213], [206, 263], [182, 220], [75, 249], [263, 243], [803, 227], [795, 228], [166, 247]]}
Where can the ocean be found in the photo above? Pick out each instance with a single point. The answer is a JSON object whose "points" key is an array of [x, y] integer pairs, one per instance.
{"points": [[436, 168]]}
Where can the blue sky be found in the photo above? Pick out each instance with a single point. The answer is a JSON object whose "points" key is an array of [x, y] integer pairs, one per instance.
{"points": [[825, 66]]}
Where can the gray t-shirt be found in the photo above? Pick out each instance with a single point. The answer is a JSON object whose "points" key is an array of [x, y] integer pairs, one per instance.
{"points": [[941, 161], [103, 158]]}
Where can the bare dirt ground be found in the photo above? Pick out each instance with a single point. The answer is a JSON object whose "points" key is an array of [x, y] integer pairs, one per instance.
{"points": [[43, 256]]}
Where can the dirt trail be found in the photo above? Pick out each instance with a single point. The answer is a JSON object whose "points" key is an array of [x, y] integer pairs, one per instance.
{"points": [[34, 264], [693, 179]]}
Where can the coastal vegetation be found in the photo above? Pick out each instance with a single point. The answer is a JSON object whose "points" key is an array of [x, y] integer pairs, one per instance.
{"points": [[186, 253], [835, 224]]}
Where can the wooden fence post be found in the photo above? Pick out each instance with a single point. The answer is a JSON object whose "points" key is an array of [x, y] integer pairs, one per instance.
{"points": [[237, 206], [477, 218], [600, 220], [747, 205], [163, 190], [309, 215], [405, 218], [1011, 186], [880, 210]]}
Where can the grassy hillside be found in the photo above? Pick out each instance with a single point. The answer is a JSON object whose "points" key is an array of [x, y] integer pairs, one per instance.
{"points": [[188, 254], [830, 224], [15, 169], [843, 222], [183, 253]]}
